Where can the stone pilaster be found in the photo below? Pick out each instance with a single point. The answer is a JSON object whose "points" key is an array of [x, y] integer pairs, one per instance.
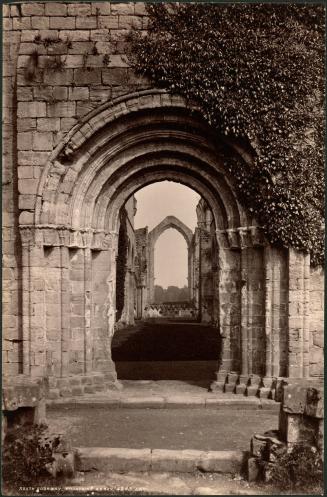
{"points": [[246, 366], [34, 328], [268, 310], [298, 309], [87, 310]]}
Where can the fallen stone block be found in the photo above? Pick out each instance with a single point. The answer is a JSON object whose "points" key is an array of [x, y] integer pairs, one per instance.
{"points": [[254, 469], [314, 405], [267, 471], [258, 446], [275, 449]]}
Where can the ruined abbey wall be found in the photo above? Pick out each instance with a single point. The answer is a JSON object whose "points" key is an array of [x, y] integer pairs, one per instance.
{"points": [[63, 63]]}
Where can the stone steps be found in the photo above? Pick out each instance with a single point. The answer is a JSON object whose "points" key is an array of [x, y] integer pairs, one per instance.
{"points": [[158, 460], [163, 402]]}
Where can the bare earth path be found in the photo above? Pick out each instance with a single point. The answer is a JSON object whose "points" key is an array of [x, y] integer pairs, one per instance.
{"points": [[183, 428]]}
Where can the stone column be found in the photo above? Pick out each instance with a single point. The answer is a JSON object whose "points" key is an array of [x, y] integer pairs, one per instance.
{"points": [[268, 311], [33, 319], [151, 281], [224, 319], [306, 315], [65, 302], [298, 313], [87, 310], [189, 273], [26, 240], [246, 365]]}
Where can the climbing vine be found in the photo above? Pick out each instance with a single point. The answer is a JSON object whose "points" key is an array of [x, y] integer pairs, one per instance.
{"points": [[257, 71]]}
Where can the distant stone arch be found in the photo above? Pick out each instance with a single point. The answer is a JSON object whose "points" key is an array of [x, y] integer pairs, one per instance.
{"points": [[186, 232]]}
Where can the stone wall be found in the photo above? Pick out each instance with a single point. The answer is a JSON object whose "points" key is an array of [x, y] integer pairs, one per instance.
{"points": [[11, 261], [38, 113], [301, 423], [316, 324]]}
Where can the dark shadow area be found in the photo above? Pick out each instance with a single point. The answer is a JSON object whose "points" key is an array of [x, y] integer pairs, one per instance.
{"points": [[167, 350]]}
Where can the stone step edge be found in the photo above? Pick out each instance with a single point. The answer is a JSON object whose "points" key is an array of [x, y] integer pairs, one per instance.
{"points": [[164, 403], [160, 460]]}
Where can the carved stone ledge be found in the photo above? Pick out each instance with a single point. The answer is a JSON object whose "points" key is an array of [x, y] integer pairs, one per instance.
{"points": [[27, 235], [56, 236], [240, 238]]}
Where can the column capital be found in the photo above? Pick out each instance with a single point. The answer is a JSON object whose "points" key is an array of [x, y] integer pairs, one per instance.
{"points": [[27, 235]]}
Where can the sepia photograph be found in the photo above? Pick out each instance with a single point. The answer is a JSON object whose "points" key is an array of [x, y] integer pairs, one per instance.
{"points": [[163, 233]]}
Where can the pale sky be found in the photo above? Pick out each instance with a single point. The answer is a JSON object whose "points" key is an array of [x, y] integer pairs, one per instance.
{"points": [[154, 203]]}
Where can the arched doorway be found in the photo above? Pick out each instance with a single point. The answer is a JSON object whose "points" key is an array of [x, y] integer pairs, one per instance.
{"points": [[118, 149]]}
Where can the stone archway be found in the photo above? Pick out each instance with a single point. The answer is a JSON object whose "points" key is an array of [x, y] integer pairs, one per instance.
{"points": [[70, 245], [165, 224]]}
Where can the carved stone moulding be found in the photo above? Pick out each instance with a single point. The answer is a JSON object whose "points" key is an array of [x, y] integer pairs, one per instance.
{"points": [[243, 237]]}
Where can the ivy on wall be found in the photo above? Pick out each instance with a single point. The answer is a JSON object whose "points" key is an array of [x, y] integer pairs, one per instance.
{"points": [[257, 70]]}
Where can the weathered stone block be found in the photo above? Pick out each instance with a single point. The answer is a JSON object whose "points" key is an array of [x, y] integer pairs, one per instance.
{"points": [[31, 109], [275, 450], [60, 93], [55, 9], [27, 186], [65, 392], [32, 9], [140, 9], [79, 93], [314, 405], [101, 8], [42, 141], [77, 391], [26, 124], [89, 389], [86, 23], [122, 9], [108, 22], [240, 389], [48, 124], [264, 393], [251, 390], [258, 446], [114, 76], [62, 22], [40, 22], [21, 23], [79, 9], [25, 172], [84, 77], [128, 22], [62, 109], [253, 469]]}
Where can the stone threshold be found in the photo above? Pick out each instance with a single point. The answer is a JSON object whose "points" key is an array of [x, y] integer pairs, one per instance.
{"points": [[106, 459], [168, 402]]}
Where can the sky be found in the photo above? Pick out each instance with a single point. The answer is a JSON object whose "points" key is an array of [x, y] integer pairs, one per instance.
{"points": [[154, 203]]}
